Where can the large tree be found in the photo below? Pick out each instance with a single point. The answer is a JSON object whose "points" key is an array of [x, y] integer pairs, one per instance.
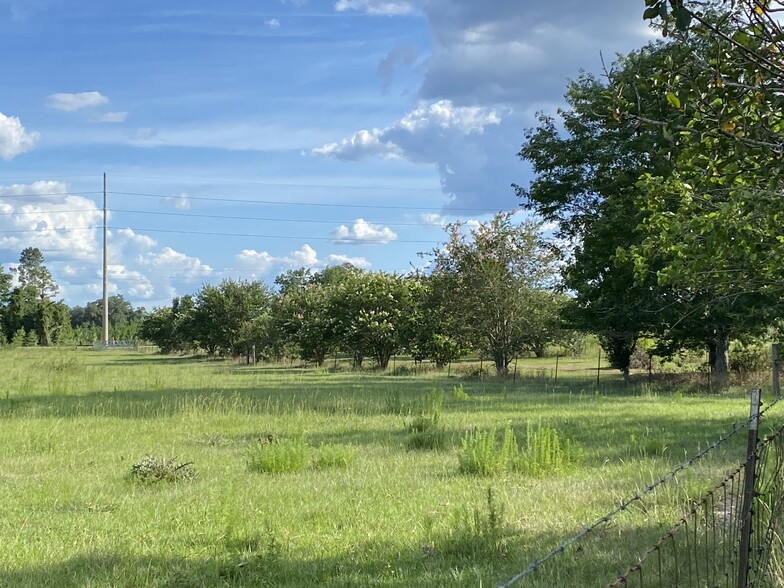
{"points": [[588, 182], [497, 274]]}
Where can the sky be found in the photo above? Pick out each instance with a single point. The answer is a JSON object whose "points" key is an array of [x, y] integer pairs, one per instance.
{"points": [[243, 138]]}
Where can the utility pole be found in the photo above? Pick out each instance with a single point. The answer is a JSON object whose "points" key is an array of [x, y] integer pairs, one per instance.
{"points": [[105, 324]]}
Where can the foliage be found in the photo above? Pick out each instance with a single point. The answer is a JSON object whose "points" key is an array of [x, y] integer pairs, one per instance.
{"points": [[717, 217], [496, 280], [160, 469], [370, 309], [480, 532], [482, 455]]}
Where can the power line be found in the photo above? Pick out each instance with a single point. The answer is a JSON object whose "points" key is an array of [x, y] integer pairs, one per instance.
{"points": [[282, 184], [270, 219], [337, 240], [282, 203]]}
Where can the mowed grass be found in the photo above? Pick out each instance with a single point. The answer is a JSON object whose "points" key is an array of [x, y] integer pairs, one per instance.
{"points": [[74, 423]]}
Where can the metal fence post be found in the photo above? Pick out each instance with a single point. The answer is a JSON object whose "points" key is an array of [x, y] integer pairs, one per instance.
{"points": [[748, 492], [776, 363]]}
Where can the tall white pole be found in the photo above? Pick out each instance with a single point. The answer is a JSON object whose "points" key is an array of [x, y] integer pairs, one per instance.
{"points": [[105, 272]]}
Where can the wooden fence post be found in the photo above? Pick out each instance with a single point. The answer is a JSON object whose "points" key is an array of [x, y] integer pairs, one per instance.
{"points": [[748, 492], [776, 363]]}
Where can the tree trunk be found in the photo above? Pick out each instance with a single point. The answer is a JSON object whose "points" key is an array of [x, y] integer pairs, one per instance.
{"points": [[720, 368]]}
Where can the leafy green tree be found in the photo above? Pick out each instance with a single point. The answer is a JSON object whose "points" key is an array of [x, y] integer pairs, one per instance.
{"points": [[304, 316], [436, 333], [497, 275], [31, 271], [226, 315], [370, 310], [588, 184]]}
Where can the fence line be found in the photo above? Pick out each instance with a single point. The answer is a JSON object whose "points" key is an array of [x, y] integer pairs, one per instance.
{"points": [[709, 537], [536, 564]]}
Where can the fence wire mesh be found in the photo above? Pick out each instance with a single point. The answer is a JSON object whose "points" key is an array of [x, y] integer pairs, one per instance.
{"points": [[703, 549]]}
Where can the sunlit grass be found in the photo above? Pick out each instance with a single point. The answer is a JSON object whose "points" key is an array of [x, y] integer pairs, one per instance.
{"points": [[74, 423]]}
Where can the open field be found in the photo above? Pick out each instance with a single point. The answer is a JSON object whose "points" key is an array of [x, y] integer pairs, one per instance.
{"points": [[73, 424]]}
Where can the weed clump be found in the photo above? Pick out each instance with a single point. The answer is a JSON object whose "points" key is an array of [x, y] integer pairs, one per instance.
{"points": [[424, 430], [334, 456], [545, 452], [481, 532], [160, 469], [278, 456], [275, 455]]}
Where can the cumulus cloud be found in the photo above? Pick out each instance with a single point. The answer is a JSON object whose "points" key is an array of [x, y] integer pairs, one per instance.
{"points": [[472, 150], [492, 66], [14, 138], [263, 263], [363, 233], [272, 23], [70, 102], [175, 264], [377, 7], [360, 145], [46, 215]]}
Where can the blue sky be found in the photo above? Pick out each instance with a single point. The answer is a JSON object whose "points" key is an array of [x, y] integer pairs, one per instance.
{"points": [[243, 138]]}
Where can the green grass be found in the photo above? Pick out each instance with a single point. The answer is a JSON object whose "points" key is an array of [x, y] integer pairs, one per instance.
{"points": [[366, 510]]}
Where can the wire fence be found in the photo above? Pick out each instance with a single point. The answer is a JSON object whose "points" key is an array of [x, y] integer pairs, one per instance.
{"points": [[728, 537], [706, 548]]}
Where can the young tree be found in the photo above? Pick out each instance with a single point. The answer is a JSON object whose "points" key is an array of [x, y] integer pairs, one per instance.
{"points": [[496, 276]]}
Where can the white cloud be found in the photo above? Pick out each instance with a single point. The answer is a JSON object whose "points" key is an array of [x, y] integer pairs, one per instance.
{"points": [[70, 102], [360, 145], [45, 215], [14, 138], [265, 264], [363, 233], [434, 219], [129, 237], [394, 142], [181, 202], [377, 7], [111, 117], [272, 23], [175, 264], [471, 148]]}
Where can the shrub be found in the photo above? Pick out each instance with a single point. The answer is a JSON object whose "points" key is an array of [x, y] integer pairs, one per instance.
{"points": [[482, 455], [424, 430], [279, 455], [546, 452], [748, 359], [160, 469]]}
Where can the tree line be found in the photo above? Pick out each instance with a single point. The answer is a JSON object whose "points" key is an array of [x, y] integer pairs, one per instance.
{"points": [[490, 289], [30, 315]]}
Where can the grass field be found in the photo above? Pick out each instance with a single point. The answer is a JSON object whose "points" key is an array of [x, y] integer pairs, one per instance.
{"points": [[368, 509]]}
